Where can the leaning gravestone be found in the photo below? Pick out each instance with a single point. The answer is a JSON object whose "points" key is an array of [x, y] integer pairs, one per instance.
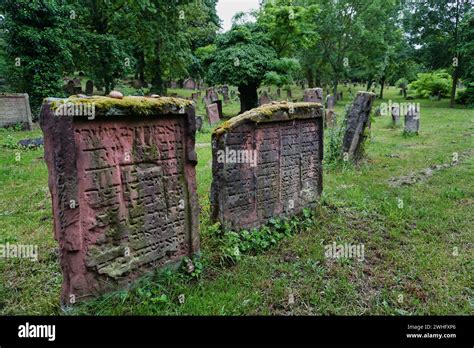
{"points": [[89, 87], [15, 109], [357, 120], [267, 162], [412, 119], [213, 113], [123, 188], [314, 95]]}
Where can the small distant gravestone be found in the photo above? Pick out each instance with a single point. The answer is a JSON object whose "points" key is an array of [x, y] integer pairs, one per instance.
{"points": [[412, 119], [289, 95], [189, 84], [174, 84], [195, 96], [264, 99], [15, 109], [225, 93], [69, 88], [89, 87], [279, 93], [219, 108], [395, 114], [378, 111], [314, 95], [330, 114], [213, 113], [357, 120], [198, 123]]}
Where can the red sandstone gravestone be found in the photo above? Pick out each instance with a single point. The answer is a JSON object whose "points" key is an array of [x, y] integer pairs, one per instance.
{"points": [[267, 163], [123, 188], [213, 113], [314, 95]]}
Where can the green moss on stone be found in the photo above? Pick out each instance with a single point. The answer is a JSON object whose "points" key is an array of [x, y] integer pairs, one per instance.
{"points": [[268, 113]]}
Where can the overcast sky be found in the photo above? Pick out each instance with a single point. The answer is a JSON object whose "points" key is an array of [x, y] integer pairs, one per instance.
{"points": [[226, 9]]}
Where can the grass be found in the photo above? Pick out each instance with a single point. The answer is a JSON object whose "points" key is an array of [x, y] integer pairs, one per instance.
{"points": [[419, 259]]}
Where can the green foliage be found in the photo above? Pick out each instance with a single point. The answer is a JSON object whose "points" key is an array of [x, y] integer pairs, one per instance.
{"points": [[333, 146], [234, 244], [466, 97], [432, 84], [37, 47], [401, 83]]}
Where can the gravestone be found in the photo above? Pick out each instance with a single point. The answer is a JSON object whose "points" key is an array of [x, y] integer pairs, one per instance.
{"points": [[123, 188], [412, 119], [357, 120], [69, 88], [195, 96], [213, 113], [395, 114], [314, 95], [264, 99], [267, 163], [289, 95], [279, 93], [198, 123], [15, 109], [225, 93], [219, 108], [378, 111], [329, 113], [89, 87], [189, 84]]}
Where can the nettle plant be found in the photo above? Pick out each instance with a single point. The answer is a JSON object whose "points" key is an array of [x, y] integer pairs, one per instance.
{"points": [[233, 245]]}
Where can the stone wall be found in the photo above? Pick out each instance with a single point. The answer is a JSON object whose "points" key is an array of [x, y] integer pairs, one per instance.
{"points": [[267, 163], [123, 186]]}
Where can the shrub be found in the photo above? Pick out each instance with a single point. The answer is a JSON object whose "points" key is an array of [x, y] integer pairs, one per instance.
{"points": [[466, 97], [436, 83]]}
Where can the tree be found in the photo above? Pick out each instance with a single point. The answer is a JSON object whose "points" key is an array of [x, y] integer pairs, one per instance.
{"points": [[244, 58], [434, 27], [36, 46]]}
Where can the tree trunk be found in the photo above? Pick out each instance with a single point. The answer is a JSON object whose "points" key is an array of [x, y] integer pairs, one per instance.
{"points": [[310, 77], [453, 88], [158, 85], [369, 84], [248, 97], [334, 91], [382, 83]]}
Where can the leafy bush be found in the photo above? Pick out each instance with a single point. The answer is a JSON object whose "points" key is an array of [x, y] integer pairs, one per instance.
{"points": [[436, 83], [466, 97]]}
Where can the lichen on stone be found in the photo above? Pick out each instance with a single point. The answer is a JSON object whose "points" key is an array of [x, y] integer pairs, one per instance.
{"points": [[134, 105], [268, 113]]}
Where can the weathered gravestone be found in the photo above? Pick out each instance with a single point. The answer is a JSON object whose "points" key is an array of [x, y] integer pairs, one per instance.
{"points": [[198, 123], [412, 119], [278, 92], [289, 94], [357, 120], [225, 93], [314, 95], [69, 88], [329, 113], [213, 113], [264, 99], [15, 109], [89, 87], [395, 111], [267, 162], [123, 188], [189, 84]]}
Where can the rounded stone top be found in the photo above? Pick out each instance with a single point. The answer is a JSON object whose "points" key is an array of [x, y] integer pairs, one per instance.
{"points": [[273, 112]]}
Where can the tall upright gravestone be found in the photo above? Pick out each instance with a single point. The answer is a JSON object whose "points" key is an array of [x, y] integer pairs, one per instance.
{"points": [[267, 162], [15, 109], [412, 119], [122, 181], [357, 120]]}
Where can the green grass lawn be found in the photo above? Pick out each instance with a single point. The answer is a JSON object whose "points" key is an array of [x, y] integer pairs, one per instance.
{"points": [[419, 259]]}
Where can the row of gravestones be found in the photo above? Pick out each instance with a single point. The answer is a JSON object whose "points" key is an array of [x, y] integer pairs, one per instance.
{"points": [[124, 188], [74, 87]]}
